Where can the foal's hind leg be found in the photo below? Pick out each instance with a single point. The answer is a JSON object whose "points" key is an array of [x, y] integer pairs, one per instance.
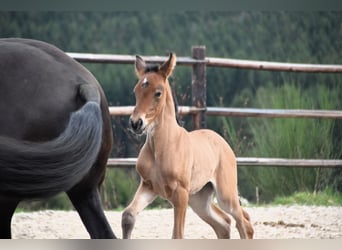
{"points": [[7, 207], [241, 217], [201, 203], [227, 196]]}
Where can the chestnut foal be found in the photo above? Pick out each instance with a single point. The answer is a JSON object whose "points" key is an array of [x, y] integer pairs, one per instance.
{"points": [[180, 166]]}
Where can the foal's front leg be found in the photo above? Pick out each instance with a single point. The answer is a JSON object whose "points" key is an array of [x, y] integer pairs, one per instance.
{"points": [[142, 198], [179, 200]]}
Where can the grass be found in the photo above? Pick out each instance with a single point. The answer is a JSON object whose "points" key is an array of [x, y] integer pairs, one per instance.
{"points": [[323, 198]]}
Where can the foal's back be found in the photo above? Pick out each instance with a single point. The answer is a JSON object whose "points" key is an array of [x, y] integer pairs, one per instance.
{"points": [[212, 156]]}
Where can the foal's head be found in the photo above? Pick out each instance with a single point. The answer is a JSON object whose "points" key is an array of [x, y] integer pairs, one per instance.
{"points": [[150, 92]]}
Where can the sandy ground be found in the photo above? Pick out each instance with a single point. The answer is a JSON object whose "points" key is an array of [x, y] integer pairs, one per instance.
{"points": [[276, 222]]}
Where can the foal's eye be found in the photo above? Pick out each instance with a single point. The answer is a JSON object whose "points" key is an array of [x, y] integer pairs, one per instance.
{"points": [[157, 94]]}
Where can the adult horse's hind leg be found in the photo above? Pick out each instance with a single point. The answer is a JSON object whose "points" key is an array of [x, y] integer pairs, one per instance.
{"points": [[201, 203], [87, 202], [7, 207]]}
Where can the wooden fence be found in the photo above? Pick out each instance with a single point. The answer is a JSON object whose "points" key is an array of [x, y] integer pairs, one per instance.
{"points": [[199, 110]]}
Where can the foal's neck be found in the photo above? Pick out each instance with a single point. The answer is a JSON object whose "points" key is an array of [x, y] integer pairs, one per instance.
{"points": [[166, 126]]}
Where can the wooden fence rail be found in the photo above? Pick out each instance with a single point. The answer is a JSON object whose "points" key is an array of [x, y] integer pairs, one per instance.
{"points": [[211, 62], [243, 112], [199, 110], [252, 161]]}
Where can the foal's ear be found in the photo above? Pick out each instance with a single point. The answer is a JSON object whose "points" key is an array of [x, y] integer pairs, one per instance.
{"points": [[140, 66], [168, 66]]}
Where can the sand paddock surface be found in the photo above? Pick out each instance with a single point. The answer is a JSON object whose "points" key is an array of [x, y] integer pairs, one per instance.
{"points": [[273, 222]]}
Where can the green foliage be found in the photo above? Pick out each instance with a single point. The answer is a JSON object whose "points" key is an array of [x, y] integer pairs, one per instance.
{"points": [[119, 187], [60, 202], [305, 37], [327, 197], [292, 138]]}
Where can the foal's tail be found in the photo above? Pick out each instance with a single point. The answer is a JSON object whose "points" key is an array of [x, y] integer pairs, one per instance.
{"points": [[34, 170]]}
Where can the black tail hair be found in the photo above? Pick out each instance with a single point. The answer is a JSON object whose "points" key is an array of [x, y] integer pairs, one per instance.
{"points": [[35, 170]]}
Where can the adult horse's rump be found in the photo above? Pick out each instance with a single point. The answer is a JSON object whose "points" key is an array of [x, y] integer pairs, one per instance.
{"points": [[55, 132]]}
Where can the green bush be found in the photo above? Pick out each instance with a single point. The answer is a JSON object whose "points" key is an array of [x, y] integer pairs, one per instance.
{"points": [[58, 202], [327, 197], [119, 187], [291, 138]]}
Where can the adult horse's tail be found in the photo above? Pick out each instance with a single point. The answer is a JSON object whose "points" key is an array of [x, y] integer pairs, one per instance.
{"points": [[32, 169]]}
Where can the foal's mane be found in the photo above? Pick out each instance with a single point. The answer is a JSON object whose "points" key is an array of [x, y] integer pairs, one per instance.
{"points": [[155, 68], [152, 68]]}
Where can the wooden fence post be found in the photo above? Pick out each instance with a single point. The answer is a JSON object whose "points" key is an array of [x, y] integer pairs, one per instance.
{"points": [[199, 87]]}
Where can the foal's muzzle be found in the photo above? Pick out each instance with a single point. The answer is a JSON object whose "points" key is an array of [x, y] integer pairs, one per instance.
{"points": [[136, 126]]}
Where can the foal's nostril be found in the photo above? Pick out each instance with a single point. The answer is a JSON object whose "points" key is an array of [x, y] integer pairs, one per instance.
{"points": [[140, 123], [136, 125]]}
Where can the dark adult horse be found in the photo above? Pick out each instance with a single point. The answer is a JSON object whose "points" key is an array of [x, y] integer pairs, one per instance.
{"points": [[55, 132]]}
